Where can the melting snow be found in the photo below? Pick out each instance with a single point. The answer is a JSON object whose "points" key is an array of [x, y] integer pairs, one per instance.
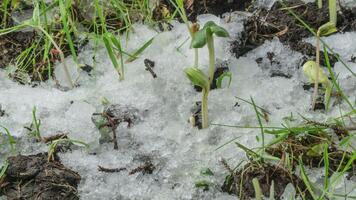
{"points": [[178, 150]]}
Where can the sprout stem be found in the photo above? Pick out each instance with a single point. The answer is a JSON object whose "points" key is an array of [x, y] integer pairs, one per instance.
{"points": [[316, 70], [196, 57], [320, 4], [332, 11], [204, 109]]}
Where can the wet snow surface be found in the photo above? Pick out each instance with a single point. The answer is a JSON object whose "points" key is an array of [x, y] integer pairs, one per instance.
{"points": [[178, 151]]}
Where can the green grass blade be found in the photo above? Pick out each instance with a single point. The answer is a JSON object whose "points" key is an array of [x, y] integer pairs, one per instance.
{"points": [[140, 50]]}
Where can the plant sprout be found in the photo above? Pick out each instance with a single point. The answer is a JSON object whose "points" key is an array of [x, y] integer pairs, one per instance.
{"points": [[326, 29], [196, 76], [313, 72], [53, 145]]}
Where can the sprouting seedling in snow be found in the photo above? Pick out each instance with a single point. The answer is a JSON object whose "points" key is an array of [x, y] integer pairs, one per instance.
{"points": [[196, 76], [310, 68], [325, 29]]}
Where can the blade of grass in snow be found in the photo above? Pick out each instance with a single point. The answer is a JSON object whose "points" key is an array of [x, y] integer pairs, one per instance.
{"points": [[136, 53], [306, 179], [3, 169], [261, 125], [10, 139], [64, 5], [335, 83]]}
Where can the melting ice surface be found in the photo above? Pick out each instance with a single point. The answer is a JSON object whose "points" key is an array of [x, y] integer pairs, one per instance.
{"points": [[178, 150]]}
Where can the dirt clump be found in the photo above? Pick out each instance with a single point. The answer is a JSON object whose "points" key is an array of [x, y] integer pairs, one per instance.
{"points": [[33, 177]]}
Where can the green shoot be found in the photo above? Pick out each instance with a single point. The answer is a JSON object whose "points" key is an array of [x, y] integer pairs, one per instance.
{"points": [[313, 72], [333, 79], [3, 170], [37, 123], [140, 50], [53, 145], [110, 43], [257, 188], [306, 179], [196, 76], [323, 30], [64, 5], [219, 80], [271, 191], [261, 126], [205, 36], [10, 139]]}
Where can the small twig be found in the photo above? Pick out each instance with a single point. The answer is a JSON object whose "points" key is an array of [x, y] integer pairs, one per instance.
{"points": [[147, 167], [149, 65], [110, 170], [113, 128]]}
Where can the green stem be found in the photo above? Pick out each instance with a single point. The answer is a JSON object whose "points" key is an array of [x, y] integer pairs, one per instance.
{"points": [[204, 108], [210, 42], [196, 57], [316, 71], [320, 4], [332, 11]]}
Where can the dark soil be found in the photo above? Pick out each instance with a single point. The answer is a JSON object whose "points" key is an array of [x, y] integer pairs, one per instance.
{"points": [[240, 182], [217, 7], [278, 22], [33, 177]]}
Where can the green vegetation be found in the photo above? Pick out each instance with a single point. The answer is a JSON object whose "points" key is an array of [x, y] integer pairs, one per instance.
{"points": [[195, 75]]}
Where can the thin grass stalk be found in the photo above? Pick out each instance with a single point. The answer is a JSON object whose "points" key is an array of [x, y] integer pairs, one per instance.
{"points": [[316, 81]]}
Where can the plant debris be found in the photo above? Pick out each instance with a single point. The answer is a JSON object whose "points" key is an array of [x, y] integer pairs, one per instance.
{"points": [[149, 67], [111, 118], [146, 168]]}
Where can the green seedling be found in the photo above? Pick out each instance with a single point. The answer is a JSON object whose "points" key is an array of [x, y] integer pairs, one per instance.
{"points": [[325, 29], [3, 170], [10, 139], [313, 72], [53, 145], [220, 79], [257, 188], [196, 76], [37, 123]]}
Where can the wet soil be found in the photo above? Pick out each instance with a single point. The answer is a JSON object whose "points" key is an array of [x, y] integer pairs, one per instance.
{"points": [[240, 182], [278, 22], [33, 177], [194, 8]]}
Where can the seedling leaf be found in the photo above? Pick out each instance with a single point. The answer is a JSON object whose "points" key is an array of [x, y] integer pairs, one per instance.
{"points": [[197, 77]]}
